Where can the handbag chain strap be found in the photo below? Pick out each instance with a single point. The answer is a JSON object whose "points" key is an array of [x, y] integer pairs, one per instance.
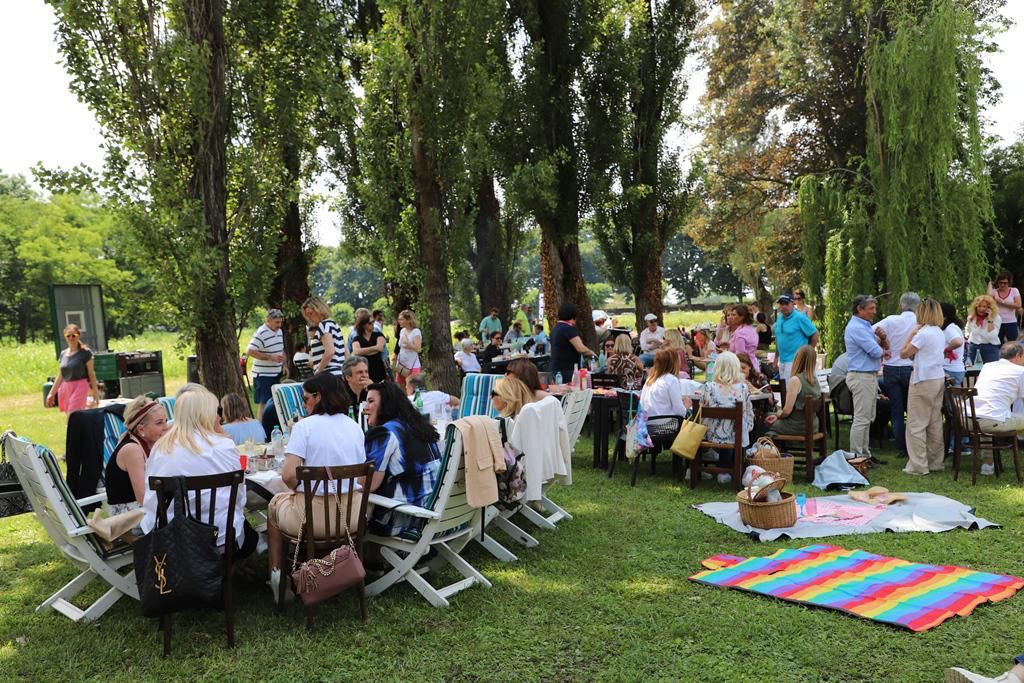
{"points": [[324, 566]]}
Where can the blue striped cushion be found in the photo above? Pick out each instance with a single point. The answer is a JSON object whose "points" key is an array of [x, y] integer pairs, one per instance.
{"points": [[113, 428], [288, 402], [168, 403], [476, 395]]}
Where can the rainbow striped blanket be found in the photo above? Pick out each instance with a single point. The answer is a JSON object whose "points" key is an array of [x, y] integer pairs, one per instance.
{"points": [[915, 596]]}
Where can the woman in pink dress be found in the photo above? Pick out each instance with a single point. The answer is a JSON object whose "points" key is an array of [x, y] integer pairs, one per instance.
{"points": [[76, 385], [743, 337], [1008, 301]]}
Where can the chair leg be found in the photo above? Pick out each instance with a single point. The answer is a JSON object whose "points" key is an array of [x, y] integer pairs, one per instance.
{"points": [[636, 466], [975, 459], [615, 459], [956, 455], [284, 577], [809, 457], [653, 462], [695, 471], [309, 617], [229, 611]]}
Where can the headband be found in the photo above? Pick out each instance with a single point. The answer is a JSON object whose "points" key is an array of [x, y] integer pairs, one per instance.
{"points": [[137, 417]]}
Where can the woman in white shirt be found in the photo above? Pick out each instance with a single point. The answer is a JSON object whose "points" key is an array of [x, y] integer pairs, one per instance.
{"points": [[327, 438], [410, 343], [983, 329], [926, 345], [465, 358], [662, 393], [953, 354], [196, 446]]}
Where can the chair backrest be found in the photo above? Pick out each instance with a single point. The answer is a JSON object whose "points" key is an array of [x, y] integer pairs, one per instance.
{"points": [[604, 380], [629, 404], [51, 499], [476, 395], [960, 405], [814, 407], [314, 481], [449, 496], [733, 413], [168, 403], [576, 405], [113, 429], [288, 402], [165, 488]]}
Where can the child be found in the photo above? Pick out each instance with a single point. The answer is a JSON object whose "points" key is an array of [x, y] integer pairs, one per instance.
{"points": [[301, 357]]}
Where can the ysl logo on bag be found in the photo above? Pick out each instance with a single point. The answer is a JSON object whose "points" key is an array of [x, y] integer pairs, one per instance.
{"points": [[161, 578]]}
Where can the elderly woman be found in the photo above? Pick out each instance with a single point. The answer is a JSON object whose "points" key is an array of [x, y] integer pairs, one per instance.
{"points": [[76, 383], [195, 446], [237, 421], [526, 372], [326, 343], [145, 421], [727, 388], [625, 365], [326, 438], [410, 343], [403, 446], [465, 357], [982, 329]]}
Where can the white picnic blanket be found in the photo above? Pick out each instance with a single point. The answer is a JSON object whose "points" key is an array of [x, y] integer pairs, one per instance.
{"points": [[921, 512]]}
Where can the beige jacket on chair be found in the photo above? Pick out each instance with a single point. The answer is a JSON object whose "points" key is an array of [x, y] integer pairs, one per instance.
{"points": [[483, 457]]}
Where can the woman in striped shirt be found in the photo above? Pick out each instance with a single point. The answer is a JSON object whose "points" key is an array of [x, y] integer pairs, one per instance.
{"points": [[326, 343]]}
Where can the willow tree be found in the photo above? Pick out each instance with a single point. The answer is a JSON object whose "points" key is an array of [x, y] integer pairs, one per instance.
{"points": [[916, 216], [633, 85], [154, 74]]}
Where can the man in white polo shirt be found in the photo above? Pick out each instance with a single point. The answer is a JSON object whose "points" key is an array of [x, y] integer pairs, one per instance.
{"points": [[895, 370], [651, 339], [999, 385], [266, 348]]}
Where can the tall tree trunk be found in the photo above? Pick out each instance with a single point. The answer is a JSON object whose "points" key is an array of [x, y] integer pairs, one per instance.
{"points": [[438, 350], [290, 286], [216, 343], [492, 258], [648, 289]]}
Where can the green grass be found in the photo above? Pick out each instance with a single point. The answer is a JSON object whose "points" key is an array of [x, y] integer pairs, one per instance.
{"points": [[606, 597]]}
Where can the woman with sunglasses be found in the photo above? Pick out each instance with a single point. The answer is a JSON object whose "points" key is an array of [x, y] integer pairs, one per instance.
{"points": [[76, 383], [800, 303], [493, 350], [326, 438]]}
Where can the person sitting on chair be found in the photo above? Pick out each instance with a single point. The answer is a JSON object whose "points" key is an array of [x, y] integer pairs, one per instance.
{"points": [[465, 358], [145, 421], [237, 421], [727, 388], [431, 399], [801, 386], [526, 372], [999, 385]]}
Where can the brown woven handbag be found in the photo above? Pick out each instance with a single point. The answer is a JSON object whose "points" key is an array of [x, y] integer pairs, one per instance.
{"points": [[321, 578]]}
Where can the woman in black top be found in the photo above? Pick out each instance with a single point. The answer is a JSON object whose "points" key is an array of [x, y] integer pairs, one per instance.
{"points": [[764, 330], [370, 345], [145, 421], [566, 345], [493, 349]]}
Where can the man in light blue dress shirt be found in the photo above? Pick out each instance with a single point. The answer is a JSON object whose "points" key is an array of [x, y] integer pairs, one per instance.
{"points": [[866, 348]]}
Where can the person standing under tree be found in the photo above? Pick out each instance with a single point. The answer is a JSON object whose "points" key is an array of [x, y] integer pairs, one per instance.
{"points": [[266, 348], [793, 330]]}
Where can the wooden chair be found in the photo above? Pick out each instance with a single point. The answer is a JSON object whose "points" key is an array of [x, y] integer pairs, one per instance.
{"points": [[810, 438], [288, 402], [604, 380], [65, 523], [960, 404], [448, 519], [698, 465], [315, 480], [661, 428], [204, 488]]}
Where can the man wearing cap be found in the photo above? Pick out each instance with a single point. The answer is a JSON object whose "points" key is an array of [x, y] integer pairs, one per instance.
{"points": [[865, 349], [651, 339], [601, 327], [793, 329], [896, 371], [266, 348]]}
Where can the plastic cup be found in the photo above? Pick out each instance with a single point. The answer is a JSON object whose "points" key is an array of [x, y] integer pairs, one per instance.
{"points": [[243, 460]]}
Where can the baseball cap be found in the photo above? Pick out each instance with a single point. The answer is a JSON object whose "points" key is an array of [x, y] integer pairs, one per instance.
{"points": [[649, 317], [274, 313], [599, 315], [784, 299]]}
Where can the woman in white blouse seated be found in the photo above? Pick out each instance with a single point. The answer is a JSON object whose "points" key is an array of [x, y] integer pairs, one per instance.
{"points": [[327, 438], [196, 446], [465, 358], [662, 393]]}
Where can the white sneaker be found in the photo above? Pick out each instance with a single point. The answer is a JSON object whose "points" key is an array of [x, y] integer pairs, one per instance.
{"points": [[724, 478], [988, 469], [958, 675]]}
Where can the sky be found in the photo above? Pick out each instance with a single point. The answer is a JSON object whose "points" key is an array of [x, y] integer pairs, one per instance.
{"points": [[42, 121]]}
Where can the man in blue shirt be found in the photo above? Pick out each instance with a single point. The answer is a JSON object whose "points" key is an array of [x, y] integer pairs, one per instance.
{"points": [[793, 329], [866, 348]]}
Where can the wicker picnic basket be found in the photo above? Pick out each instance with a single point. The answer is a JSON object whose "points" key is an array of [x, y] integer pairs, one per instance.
{"points": [[756, 512], [768, 456]]}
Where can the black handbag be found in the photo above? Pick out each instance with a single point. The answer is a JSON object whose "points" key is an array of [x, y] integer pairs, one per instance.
{"points": [[13, 500], [179, 566]]}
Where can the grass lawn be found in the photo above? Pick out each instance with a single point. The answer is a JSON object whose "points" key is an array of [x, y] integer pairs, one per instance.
{"points": [[606, 597]]}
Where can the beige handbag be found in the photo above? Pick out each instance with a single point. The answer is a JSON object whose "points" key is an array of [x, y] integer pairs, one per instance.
{"points": [[691, 433], [110, 529]]}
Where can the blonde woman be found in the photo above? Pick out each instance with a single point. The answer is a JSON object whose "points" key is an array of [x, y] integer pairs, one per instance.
{"points": [[801, 386], [982, 331], [626, 365], [195, 446], [674, 340], [145, 421], [410, 343], [237, 421], [326, 343], [509, 396], [926, 346], [75, 386], [728, 388]]}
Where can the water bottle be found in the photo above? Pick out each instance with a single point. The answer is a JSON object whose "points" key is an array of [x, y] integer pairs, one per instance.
{"points": [[558, 379], [977, 359], [602, 360], [277, 442], [418, 402]]}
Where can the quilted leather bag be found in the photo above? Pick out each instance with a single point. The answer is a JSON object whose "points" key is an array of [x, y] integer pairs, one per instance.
{"points": [[13, 500]]}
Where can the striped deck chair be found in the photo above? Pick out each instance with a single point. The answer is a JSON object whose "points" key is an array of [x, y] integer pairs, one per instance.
{"points": [[288, 402], [168, 403], [476, 395], [113, 428], [62, 518], [450, 522]]}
